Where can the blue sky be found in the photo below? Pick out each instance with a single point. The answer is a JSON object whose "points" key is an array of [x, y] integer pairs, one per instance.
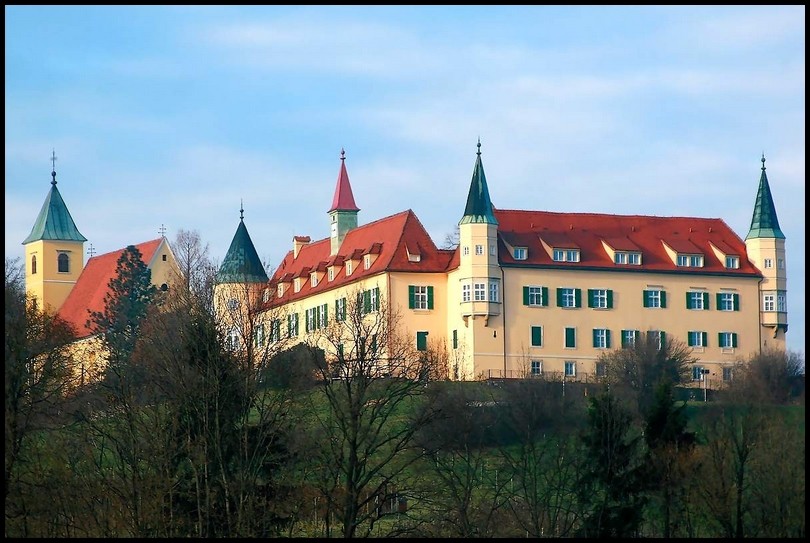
{"points": [[170, 115]]}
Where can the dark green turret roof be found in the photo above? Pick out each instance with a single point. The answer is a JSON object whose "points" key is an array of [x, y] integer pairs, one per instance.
{"points": [[764, 223], [242, 263], [479, 206], [54, 220]]}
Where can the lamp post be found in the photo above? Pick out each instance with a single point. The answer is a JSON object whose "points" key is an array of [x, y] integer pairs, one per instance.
{"points": [[705, 374]]}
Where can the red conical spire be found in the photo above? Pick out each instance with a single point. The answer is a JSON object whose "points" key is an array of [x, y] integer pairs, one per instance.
{"points": [[343, 199]]}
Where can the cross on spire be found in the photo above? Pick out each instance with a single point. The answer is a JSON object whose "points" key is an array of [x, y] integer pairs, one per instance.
{"points": [[763, 161], [91, 251], [241, 210], [162, 230], [479, 146], [53, 168], [342, 154]]}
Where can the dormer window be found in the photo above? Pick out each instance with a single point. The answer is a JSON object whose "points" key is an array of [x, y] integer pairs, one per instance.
{"points": [[625, 257], [690, 261], [313, 278], [566, 255], [297, 284], [367, 261], [331, 273], [349, 267], [732, 262], [280, 290], [520, 253]]}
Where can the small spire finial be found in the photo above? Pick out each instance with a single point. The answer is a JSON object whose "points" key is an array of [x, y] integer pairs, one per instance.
{"points": [[342, 154], [241, 210], [53, 168], [763, 161], [91, 251], [162, 230], [479, 146]]}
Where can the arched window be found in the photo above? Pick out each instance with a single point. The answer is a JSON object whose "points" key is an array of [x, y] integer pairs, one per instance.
{"points": [[64, 263], [34, 265]]}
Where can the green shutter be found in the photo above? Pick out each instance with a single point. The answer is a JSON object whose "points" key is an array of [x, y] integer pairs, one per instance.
{"points": [[340, 351], [430, 298], [559, 297], [607, 339], [377, 297], [688, 300], [610, 299], [594, 337], [421, 341], [343, 310], [411, 296], [325, 315], [590, 297], [636, 335], [306, 320], [367, 301], [624, 338], [717, 299], [537, 335], [690, 342], [705, 300], [544, 300], [720, 339], [736, 301], [705, 336], [734, 339], [525, 295], [663, 299], [374, 344], [578, 297], [455, 339], [646, 298], [663, 339], [570, 337]]}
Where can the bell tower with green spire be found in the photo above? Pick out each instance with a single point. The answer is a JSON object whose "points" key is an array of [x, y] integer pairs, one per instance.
{"points": [[765, 245], [479, 275], [54, 251]]}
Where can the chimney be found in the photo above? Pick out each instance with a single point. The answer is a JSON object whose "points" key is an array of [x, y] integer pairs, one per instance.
{"points": [[298, 242]]}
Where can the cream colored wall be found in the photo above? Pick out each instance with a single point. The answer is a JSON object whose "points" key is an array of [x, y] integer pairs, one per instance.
{"points": [[163, 271], [48, 285], [628, 313], [775, 279], [433, 321]]}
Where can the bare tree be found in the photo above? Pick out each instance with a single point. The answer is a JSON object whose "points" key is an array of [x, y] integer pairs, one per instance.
{"points": [[773, 376], [194, 263]]}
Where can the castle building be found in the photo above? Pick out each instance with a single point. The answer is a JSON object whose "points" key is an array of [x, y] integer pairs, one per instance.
{"points": [[534, 292]]}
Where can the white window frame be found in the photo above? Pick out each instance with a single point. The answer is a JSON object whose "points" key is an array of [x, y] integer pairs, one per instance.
{"points": [[348, 267], [634, 259], [572, 255], [696, 261], [466, 292], [374, 303], [536, 367], [697, 373], [629, 338], [520, 253], [479, 250], [310, 316], [768, 263], [600, 337], [657, 336], [366, 261], [726, 340], [313, 279], [696, 297], [726, 301], [620, 257], [682, 260], [260, 335], [420, 297], [780, 263], [340, 309], [535, 296], [732, 262], [492, 250], [322, 315], [781, 303], [265, 295], [331, 272], [232, 341], [480, 292], [465, 250], [570, 368], [494, 292], [569, 297], [654, 298], [695, 338], [769, 302], [292, 325], [558, 255], [600, 296]]}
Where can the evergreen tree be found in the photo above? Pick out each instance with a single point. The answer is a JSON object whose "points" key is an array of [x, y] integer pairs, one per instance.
{"points": [[125, 305]]}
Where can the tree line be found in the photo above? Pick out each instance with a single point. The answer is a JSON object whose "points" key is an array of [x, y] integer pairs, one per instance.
{"points": [[190, 433]]}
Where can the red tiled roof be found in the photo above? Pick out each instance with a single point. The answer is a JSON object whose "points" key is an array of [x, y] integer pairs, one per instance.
{"points": [[622, 244], [386, 237], [587, 230], [559, 240], [93, 283], [683, 245], [343, 199], [725, 247]]}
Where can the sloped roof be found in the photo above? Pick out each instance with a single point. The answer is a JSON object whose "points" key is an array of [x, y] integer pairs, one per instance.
{"points": [[54, 220], [479, 206], [764, 223], [242, 262], [587, 230], [389, 236], [343, 199], [93, 284]]}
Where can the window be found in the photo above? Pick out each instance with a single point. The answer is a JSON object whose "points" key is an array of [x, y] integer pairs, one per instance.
{"points": [[275, 330], [340, 309], [570, 368], [258, 336], [265, 295], [558, 255], [310, 319], [697, 373], [629, 338], [465, 251], [655, 298], [732, 262], [492, 250], [727, 374], [465, 292], [768, 302], [331, 273], [480, 292], [697, 300], [64, 263], [348, 267], [565, 255], [420, 297], [572, 256], [292, 325], [535, 296], [421, 341], [728, 301], [232, 304], [494, 294], [369, 300], [768, 263], [601, 369], [280, 290], [520, 253], [697, 339], [600, 298], [537, 367], [781, 303], [569, 297], [601, 338], [727, 340], [322, 320], [479, 249], [571, 338], [537, 336], [780, 263], [682, 260], [232, 339], [693, 261], [33, 265], [314, 279], [367, 261], [658, 337], [634, 258], [297, 284], [620, 258], [164, 258]]}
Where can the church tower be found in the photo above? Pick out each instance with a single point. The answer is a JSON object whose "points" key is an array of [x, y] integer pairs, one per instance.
{"points": [[343, 213], [54, 252], [480, 276], [765, 245]]}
